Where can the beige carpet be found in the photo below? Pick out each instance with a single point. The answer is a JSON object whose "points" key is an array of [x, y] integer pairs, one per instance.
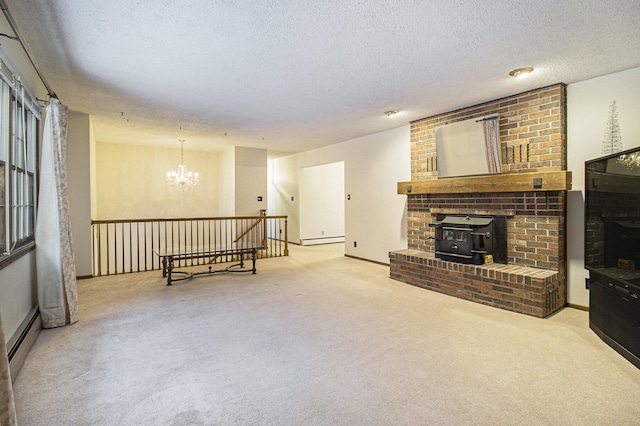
{"points": [[316, 339]]}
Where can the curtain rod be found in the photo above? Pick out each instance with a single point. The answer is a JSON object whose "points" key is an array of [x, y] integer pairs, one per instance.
{"points": [[488, 117], [20, 38]]}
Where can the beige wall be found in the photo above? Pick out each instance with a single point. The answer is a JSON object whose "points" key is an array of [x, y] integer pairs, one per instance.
{"points": [[78, 175], [131, 183], [92, 171], [227, 182]]}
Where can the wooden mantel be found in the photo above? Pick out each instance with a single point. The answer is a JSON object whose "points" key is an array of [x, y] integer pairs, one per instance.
{"points": [[511, 182]]}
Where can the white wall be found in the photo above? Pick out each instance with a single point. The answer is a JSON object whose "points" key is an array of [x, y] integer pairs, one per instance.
{"points": [[587, 114], [322, 203], [375, 216], [78, 175], [284, 193], [250, 181], [131, 183]]}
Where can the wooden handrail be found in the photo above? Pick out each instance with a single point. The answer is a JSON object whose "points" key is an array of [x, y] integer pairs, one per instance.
{"points": [[102, 221], [249, 229]]}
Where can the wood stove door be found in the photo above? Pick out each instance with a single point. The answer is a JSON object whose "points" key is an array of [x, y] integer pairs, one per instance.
{"points": [[456, 241]]}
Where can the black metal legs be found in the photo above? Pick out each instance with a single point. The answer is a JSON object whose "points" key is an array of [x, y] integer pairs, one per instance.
{"points": [[168, 264], [253, 260]]}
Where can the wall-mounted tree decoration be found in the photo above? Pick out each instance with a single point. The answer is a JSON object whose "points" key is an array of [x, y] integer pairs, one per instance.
{"points": [[612, 141]]}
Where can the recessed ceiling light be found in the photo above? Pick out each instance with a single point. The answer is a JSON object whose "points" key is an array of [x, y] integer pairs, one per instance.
{"points": [[390, 112], [521, 72]]}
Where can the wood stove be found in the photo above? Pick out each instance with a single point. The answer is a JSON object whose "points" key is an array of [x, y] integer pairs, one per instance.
{"points": [[470, 239]]}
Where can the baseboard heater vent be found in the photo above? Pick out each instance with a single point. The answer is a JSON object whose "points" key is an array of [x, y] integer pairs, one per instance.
{"points": [[20, 344], [321, 240]]}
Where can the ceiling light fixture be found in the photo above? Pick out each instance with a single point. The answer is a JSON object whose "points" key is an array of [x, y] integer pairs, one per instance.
{"points": [[182, 178], [521, 72], [390, 112]]}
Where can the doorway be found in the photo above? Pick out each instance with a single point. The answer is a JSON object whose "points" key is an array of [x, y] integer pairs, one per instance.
{"points": [[322, 208]]}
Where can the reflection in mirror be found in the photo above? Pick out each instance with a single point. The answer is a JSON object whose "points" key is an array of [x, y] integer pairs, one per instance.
{"points": [[469, 147]]}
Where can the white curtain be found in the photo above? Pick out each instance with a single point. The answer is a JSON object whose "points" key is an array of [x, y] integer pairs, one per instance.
{"points": [[7, 406], [57, 290], [492, 144]]}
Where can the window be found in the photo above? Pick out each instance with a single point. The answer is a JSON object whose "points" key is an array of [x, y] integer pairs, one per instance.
{"points": [[19, 124]]}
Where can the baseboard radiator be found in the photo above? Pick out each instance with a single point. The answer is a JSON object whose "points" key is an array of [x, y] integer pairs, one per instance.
{"points": [[23, 339]]}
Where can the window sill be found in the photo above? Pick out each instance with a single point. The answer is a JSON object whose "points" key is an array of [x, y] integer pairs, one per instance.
{"points": [[16, 254]]}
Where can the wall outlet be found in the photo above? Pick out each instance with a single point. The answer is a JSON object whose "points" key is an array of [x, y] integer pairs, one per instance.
{"points": [[587, 283], [355, 244]]}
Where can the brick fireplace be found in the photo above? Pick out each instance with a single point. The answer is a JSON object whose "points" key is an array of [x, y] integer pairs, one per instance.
{"points": [[530, 192]]}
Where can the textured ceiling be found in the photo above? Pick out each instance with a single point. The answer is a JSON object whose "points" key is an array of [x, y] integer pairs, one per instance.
{"points": [[292, 75]]}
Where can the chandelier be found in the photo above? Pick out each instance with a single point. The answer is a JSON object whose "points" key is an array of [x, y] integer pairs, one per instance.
{"points": [[182, 178], [630, 160]]}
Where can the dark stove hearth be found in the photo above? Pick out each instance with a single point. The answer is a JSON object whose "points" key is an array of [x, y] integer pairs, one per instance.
{"points": [[470, 238]]}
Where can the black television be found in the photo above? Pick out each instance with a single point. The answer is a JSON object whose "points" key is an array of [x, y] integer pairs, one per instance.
{"points": [[612, 250]]}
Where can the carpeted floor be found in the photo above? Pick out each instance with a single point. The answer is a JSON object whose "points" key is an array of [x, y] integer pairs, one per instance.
{"points": [[316, 338]]}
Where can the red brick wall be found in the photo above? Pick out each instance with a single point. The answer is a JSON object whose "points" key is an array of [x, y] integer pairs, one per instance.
{"points": [[530, 291], [533, 138], [532, 132], [535, 222]]}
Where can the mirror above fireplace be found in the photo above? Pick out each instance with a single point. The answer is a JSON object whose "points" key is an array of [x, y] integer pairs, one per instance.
{"points": [[469, 147]]}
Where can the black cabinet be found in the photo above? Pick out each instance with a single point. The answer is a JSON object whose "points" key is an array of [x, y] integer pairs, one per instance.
{"points": [[612, 249], [614, 314]]}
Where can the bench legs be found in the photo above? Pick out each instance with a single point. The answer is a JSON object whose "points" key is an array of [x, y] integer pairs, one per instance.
{"points": [[253, 260], [168, 262]]}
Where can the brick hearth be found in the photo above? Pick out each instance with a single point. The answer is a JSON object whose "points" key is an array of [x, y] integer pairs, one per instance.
{"points": [[520, 289]]}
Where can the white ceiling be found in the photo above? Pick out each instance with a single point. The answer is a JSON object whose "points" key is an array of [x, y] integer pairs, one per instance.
{"points": [[292, 75]]}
